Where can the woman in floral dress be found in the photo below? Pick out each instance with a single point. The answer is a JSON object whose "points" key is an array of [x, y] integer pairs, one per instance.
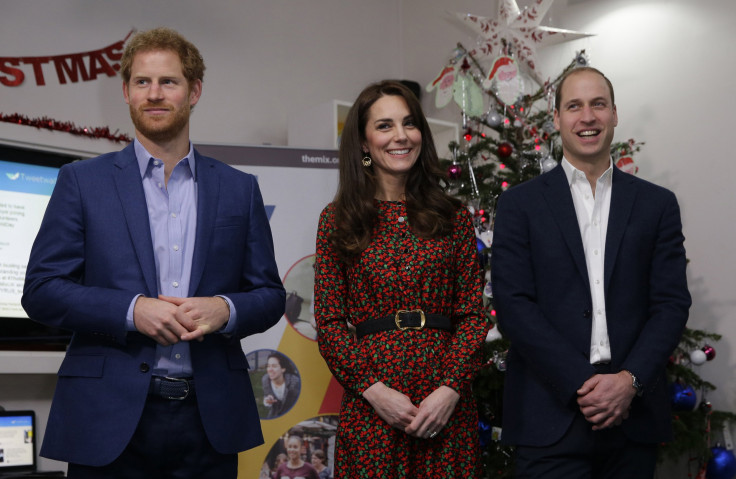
{"points": [[394, 241]]}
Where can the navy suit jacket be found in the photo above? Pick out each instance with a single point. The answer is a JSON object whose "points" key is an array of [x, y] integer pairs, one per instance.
{"points": [[94, 253], [543, 302]]}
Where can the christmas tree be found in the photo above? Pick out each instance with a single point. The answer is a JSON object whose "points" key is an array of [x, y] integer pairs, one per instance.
{"points": [[509, 137], [694, 420]]}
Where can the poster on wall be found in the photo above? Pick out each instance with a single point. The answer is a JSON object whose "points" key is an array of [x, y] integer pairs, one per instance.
{"points": [[298, 399]]}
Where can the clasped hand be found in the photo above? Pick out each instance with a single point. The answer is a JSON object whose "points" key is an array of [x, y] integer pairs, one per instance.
{"points": [[605, 399], [398, 411], [168, 320]]}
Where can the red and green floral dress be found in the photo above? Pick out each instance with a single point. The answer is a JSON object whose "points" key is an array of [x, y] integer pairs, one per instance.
{"points": [[401, 271]]}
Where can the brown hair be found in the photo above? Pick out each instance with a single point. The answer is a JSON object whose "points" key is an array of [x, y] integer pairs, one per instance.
{"points": [[319, 453], [283, 362], [558, 93], [430, 210], [163, 38]]}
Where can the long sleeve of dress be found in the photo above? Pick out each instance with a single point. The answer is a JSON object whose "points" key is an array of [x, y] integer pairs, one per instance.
{"points": [[337, 344]]}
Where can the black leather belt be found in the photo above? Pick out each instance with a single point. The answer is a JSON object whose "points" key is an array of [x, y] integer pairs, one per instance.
{"points": [[403, 320], [172, 388]]}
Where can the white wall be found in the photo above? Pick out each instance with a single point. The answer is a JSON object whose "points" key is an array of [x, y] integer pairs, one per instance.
{"points": [[670, 62]]}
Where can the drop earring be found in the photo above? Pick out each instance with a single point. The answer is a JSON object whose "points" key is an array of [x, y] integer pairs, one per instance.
{"points": [[367, 160]]}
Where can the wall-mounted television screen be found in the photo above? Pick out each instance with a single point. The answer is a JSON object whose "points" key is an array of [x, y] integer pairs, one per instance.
{"points": [[27, 178]]}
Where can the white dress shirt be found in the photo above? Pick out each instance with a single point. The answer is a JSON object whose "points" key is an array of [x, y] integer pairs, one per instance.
{"points": [[592, 212]]}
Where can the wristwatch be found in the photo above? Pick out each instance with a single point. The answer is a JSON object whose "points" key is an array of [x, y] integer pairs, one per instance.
{"points": [[635, 382]]}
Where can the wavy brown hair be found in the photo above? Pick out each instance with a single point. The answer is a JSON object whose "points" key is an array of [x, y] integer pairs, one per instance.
{"points": [[163, 38], [431, 211]]}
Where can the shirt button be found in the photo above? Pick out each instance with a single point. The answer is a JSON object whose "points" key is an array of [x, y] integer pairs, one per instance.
{"points": [[401, 219], [597, 281], [595, 252], [176, 247], [159, 185], [177, 356], [173, 215], [175, 284], [144, 367]]}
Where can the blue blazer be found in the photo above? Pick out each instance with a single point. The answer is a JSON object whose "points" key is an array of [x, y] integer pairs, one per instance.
{"points": [[543, 301], [94, 253]]}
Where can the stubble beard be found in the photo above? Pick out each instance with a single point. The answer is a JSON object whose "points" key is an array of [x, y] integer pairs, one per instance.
{"points": [[160, 129]]}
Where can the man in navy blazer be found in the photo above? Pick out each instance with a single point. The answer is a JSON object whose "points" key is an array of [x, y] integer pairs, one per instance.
{"points": [[159, 260], [588, 273]]}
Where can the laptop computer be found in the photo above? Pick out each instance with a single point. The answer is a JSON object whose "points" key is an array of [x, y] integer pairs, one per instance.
{"points": [[18, 446]]}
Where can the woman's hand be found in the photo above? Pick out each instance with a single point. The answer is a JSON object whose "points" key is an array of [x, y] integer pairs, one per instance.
{"points": [[392, 406], [434, 412]]}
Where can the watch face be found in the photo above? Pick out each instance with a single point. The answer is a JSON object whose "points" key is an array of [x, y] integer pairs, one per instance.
{"points": [[635, 382], [637, 385]]}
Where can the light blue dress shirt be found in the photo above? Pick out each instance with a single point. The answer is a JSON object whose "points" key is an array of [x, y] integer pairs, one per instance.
{"points": [[172, 214]]}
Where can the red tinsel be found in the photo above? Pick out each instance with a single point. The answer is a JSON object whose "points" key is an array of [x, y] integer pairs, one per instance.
{"points": [[66, 126]]}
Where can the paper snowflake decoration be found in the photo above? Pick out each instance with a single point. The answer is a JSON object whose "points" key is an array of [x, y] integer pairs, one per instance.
{"points": [[517, 33]]}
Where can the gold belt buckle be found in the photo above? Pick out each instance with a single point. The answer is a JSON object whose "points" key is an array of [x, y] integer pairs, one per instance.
{"points": [[397, 319]]}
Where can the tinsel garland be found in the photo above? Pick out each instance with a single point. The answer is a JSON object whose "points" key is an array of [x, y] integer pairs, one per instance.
{"points": [[65, 126]]}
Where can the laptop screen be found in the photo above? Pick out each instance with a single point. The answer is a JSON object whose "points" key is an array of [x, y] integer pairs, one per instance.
{"points": [[17, 441]]}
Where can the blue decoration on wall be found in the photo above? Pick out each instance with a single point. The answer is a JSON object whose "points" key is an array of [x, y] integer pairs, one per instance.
{"points": [[269, 210]]}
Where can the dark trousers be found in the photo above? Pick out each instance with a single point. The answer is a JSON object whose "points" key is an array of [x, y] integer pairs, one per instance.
{"points": [[169, 443], [586, 454]]}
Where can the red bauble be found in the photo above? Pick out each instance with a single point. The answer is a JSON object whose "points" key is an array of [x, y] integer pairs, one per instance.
{"points": [[454, 172], [710, 353], [505, 150]]}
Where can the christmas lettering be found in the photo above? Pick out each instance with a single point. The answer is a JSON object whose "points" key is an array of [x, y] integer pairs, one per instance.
{"points": [[70, 68]]}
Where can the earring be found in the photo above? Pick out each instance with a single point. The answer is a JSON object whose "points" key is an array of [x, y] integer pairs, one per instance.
{"points": [[367, 160]]}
